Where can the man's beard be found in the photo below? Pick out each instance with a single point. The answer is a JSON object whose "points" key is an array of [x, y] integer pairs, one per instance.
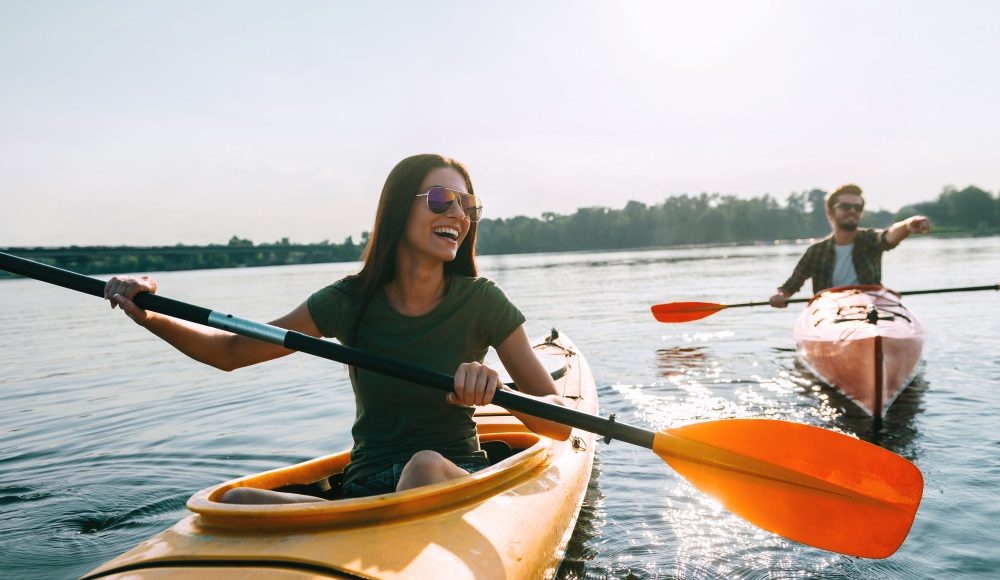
{"points": [[847, 226]]}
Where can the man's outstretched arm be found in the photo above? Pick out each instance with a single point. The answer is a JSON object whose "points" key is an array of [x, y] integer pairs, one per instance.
{"points": [[899, 231]]}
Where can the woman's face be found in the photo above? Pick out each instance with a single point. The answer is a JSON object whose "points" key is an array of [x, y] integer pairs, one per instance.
{"points": [[434, 235]]}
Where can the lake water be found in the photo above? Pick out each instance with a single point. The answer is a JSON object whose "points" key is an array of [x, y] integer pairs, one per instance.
{"points": [[105, 431]]}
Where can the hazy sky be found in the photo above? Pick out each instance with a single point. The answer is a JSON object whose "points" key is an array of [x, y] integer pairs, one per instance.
{"points": [[126, 122]]}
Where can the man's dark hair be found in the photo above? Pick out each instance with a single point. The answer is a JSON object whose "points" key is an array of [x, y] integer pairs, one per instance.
{"points": [[849, 189]]}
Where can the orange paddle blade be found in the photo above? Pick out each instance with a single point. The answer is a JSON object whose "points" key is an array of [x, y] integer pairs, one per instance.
{"points": [[808, 484], [685, 311]]}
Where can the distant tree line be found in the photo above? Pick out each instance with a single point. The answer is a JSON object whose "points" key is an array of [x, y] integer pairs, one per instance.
{"points": [[715, 218], [970, 209], [238, 253], [684, 219]]}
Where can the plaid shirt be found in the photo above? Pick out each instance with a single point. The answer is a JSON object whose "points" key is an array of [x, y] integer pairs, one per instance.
{"points": [[817, 262]]}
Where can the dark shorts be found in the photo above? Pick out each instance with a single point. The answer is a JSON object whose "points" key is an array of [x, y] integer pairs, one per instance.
{"points": [[385, 481]]}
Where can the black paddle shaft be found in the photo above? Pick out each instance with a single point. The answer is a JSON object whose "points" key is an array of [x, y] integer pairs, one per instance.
{"points": [[943, 290], [765, 303], [293, 340], [907, 293]]}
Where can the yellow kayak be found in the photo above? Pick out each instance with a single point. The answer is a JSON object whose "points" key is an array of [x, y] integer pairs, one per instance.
{"points": [[510, 520]]}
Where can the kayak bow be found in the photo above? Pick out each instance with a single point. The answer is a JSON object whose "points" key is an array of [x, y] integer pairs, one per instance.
{"points": [[863, 341]]}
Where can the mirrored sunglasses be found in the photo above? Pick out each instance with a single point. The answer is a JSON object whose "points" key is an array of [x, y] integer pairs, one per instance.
{"points": [[440, 199]]}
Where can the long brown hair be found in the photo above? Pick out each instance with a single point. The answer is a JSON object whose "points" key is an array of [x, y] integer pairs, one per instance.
{"points": [[394, 205]]}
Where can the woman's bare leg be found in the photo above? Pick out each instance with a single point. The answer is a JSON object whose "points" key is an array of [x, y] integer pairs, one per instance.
{"points": [[427, 467], [249, 495]]}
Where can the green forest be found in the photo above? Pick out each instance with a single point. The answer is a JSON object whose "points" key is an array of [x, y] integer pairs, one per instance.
{"points": [[678, 220], [720, 219]]}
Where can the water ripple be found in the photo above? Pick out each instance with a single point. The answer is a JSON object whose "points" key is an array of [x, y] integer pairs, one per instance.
{"points": [[105, 432]]}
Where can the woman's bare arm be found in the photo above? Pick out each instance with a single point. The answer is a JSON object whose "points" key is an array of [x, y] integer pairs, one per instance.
{"points": [[217, 348], [532, 379]]}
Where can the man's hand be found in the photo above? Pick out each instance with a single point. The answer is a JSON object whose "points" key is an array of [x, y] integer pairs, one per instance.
{"points": [[779, 300], [918, 224]]}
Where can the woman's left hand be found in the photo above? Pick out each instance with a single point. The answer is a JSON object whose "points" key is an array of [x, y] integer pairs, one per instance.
{"points": [[475, 384]]}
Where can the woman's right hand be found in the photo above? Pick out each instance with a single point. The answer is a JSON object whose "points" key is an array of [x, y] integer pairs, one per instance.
{"points": [[475, 385], [120, 290]]}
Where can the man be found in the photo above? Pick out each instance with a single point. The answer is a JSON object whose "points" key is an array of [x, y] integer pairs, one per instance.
{"points": [[849, 255]]}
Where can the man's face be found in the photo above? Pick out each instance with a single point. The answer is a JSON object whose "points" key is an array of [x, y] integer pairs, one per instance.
{"points": [[847, 212]]}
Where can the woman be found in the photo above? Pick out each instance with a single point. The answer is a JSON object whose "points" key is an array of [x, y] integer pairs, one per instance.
{"points": [[417, 297]]}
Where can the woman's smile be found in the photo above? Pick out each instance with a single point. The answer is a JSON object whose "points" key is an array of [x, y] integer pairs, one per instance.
{"points": [[448, 232]]}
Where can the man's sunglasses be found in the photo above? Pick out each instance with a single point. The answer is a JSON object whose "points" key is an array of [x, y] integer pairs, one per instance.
{"points": [[858, 207], [440, 199]]}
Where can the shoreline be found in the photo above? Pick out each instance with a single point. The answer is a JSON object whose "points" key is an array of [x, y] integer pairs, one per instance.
{"points": [[117, 259]]}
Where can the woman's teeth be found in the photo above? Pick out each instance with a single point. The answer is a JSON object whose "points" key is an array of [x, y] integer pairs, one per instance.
{"points": [[450, 233]]}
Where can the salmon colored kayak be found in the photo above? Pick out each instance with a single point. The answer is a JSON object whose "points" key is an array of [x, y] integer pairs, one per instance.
{"points": [[863, 341], [510, 520]]}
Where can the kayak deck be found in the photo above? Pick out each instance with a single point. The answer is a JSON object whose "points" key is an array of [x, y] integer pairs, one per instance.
{"points": [[509, 520], [863, 341]]}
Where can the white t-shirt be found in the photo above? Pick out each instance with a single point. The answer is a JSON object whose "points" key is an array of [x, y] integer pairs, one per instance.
{"points": [[843, 266]]}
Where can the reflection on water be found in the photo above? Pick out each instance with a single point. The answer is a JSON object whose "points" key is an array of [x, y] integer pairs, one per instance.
{"points": [[680, 360], [584, 547], [106, 432], [897, 430]]}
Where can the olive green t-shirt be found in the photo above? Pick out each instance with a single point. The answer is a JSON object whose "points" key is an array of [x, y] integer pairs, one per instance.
{"points": [[394, 418]]}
